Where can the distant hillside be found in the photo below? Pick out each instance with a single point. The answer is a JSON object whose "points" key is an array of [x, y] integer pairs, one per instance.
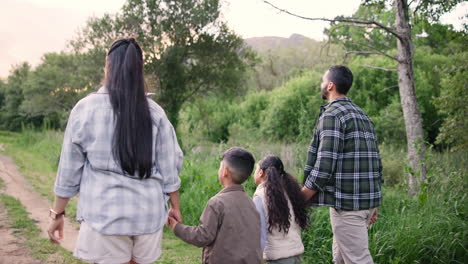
{"points": [[263, 44], [283, 58]]}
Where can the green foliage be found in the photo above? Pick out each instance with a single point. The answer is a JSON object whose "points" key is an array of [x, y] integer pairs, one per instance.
{"points": [[442, 39], [46, 94], [355, 37], [287, 113], [390, 125], [53, 88], [434, 223], [2, 93], [10, 116], [431, 10], [452, 104], [292, 109], [189, 50], [23, 225], [210, 118], [373, 89]]}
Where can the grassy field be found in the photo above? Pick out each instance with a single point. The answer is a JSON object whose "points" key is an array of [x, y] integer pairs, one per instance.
{"points": [[37, 157], [430, 227]]}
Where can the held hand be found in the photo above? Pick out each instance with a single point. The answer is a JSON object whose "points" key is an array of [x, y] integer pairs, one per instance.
{"points": [[54, 226], [172, 222], [175, 213], [307, 193], [374, 217]]}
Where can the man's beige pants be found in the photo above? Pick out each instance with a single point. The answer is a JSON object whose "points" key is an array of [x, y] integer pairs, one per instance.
{"points": [[350, 239]]}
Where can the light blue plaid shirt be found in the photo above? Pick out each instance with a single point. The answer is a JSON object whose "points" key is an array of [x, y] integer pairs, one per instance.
{"points": [[110, 201]]}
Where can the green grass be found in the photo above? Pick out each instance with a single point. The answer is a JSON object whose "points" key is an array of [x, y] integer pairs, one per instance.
{"points": [[37, 155], [430, 227], [176, 251], [23, 226]]}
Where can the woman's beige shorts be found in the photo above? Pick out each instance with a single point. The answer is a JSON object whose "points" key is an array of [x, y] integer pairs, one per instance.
{"points": [[94, 247]]}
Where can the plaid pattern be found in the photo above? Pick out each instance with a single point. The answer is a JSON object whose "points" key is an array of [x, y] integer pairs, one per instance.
{"points": [[343, 162], [111, 201]]}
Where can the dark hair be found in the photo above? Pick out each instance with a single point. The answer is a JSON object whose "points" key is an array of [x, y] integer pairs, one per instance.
{"points": [[342, 77], [132, 140], [278, 184], [241, 162]]}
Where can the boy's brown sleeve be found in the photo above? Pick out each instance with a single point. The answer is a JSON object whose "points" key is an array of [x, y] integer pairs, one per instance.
{"points": [[205, 233]]}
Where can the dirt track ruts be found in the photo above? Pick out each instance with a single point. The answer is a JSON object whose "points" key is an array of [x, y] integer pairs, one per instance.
{"points": [[37, 206]]}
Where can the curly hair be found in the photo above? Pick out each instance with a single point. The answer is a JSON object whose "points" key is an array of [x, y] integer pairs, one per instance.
{"points": [[279, 185]]}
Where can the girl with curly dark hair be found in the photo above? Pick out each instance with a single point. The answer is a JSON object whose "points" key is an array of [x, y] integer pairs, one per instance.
{"points": [[282, 211]]}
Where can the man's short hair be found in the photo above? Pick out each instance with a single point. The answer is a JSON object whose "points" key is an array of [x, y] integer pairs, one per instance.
{"points": [[240, 163], [342, 77]]}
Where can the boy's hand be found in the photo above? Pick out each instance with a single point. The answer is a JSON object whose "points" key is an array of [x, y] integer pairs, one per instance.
{"points": [[172, 222]]}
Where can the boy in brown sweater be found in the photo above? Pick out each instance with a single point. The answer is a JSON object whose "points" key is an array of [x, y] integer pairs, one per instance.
{"points": [[229, 229]]}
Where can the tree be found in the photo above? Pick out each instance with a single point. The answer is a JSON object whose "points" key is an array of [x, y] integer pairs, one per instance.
{"points": [[2, 93], [54, 87], [189, 50], [452, 104], [10, 116], [401, 31]]}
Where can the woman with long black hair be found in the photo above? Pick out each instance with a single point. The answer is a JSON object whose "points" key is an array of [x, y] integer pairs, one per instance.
{"points": [[120, 153]]}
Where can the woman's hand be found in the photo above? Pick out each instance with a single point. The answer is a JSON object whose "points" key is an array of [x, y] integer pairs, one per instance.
{"points": [[172, 222], [175, 213], [56, 226]]}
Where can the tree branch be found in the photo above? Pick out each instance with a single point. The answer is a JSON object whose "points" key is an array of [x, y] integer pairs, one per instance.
{"points": [[357, 25], [339, 19], [376, 50], [370, 52], [379, 68], [390, 87]]}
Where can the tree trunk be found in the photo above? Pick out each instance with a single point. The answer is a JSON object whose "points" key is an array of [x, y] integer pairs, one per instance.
{"points": [[411, 113]]}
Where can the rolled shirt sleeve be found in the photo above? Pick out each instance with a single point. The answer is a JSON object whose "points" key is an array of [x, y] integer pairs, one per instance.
{"points": [[331, 139], [169, 156], [72, 160]]}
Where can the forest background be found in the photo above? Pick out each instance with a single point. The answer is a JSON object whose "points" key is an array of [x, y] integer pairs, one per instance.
{"points": [[264, 94]]}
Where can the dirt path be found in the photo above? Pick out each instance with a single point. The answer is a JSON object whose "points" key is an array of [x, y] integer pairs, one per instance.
{"points": [[11, 247], [38, 207]]}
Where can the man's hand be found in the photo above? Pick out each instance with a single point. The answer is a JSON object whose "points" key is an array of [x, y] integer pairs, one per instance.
{"points": [[307, 193], [374, 217], [55, 225]]}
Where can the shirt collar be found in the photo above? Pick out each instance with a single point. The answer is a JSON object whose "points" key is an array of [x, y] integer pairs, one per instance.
{"points": [[102, 90], [235, 187], [261, 186], [341, 99]]}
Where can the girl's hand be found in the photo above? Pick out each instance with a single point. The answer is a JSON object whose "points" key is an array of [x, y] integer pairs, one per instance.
{"points": [[55, 225]]}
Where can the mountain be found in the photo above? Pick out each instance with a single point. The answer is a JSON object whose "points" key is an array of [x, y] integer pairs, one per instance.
{"points": [[264, 44]]}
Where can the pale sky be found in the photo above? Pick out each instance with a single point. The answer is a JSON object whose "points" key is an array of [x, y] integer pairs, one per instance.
{"points": [[30, 28]]}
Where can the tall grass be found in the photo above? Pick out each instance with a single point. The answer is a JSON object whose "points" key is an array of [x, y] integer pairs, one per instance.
{"points": [[430, 227]]}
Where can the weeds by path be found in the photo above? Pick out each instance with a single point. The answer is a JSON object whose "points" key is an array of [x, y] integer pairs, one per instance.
{"points": [[24, 227], [37, 155]]}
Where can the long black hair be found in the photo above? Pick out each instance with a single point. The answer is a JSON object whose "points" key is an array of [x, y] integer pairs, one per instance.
{"points": [[278, 184], [132, 141]]}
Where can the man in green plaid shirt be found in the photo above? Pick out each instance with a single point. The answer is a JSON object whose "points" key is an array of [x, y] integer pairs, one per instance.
{"points": [[344, 170]]}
